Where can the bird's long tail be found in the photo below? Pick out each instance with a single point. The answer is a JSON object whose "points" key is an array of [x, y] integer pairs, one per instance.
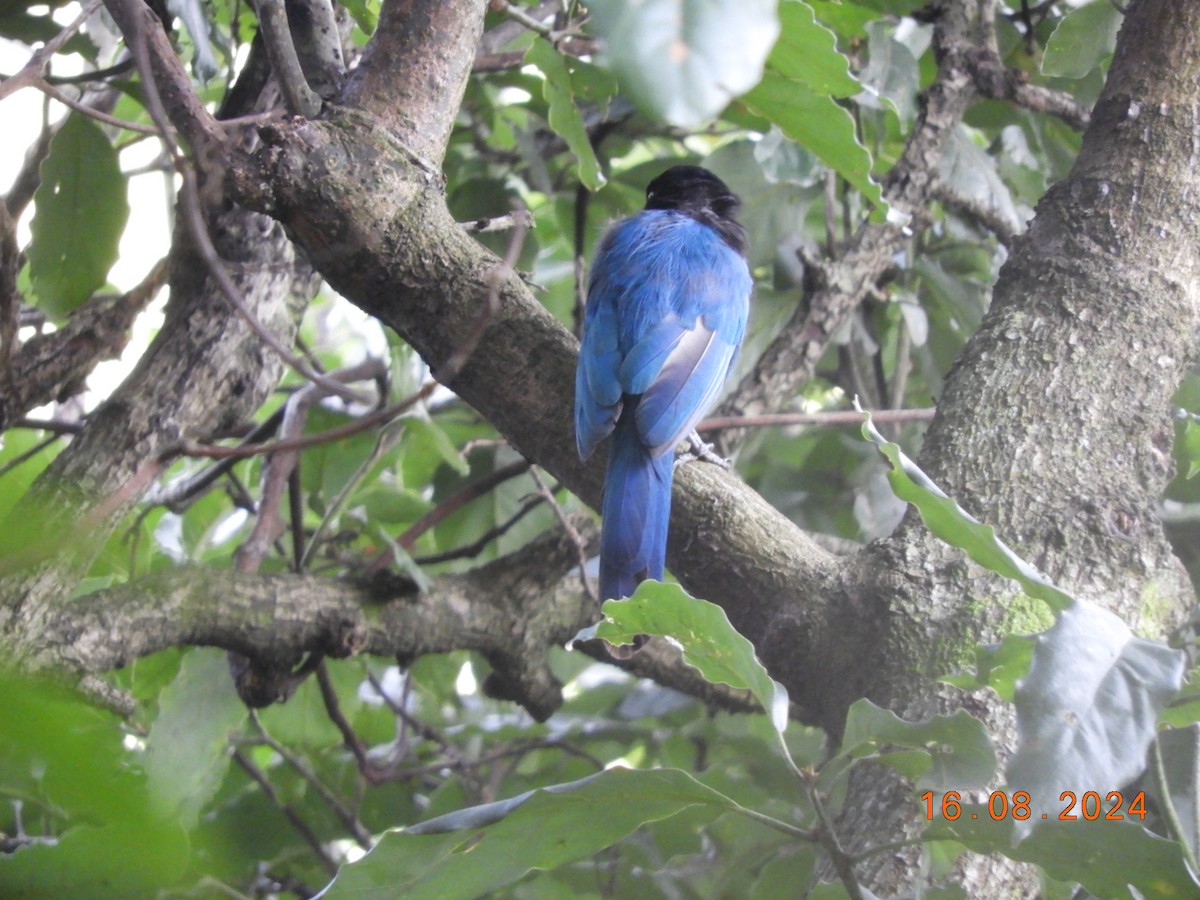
{"points": [[637, 507]]}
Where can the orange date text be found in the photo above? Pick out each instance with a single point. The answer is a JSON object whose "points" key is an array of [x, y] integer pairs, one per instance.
{"points": [[1000, 805]]}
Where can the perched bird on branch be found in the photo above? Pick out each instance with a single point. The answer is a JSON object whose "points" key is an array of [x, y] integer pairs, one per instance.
{"points": [[667, 304]]}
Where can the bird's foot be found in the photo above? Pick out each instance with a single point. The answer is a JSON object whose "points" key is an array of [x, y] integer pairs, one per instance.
{"points": [[698, 449]]}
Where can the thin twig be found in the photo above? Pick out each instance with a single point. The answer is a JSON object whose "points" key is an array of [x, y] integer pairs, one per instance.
{"points": [[519, 15], [359, 425], [298, 97], [28, 454], [466, 551], [32, 70], [517, 217], [278, 469], [353, 824], [580, 544], [1174, 825], [452, 504], [496, 277], [387, 438], [67, 100], [333, 709], [833, 417], [826, 833], [314, 843]]}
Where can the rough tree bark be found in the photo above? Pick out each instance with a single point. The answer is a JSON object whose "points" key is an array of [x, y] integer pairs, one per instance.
{"points": [[1053, 426]]}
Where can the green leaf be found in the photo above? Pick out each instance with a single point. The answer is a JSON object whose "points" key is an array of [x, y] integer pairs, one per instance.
{"points": [[807, 51], [999, 667], [968, 170], [365, 13], [956, 527], [65, 754], [81, 213], [891, 73], [1190, 445], [816, 122], [392, 505], [564, 116], [709, 641], [474, 852], [1180, 748], [187, 747], [120, 859], [955, 752], [682, 61], [432, 438], [1107, 858], [1084, 38], [1088, 709]]}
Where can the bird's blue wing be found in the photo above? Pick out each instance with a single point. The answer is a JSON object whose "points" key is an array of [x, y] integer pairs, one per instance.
{"points": [[685, 388], [597, 385], [667, 308], [693, 308]]}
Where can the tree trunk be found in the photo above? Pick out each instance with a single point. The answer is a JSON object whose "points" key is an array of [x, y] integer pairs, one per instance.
{"points": [[1056, 424]]}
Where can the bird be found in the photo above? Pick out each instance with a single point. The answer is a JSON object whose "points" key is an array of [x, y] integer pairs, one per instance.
{"points": [[667, 303]]}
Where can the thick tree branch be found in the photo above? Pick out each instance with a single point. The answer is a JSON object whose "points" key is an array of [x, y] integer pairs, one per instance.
{"points": [[511, 611], [54, 365], [1049, 428]]}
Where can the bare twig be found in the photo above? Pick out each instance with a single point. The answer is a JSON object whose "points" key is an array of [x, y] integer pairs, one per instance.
{"points": [[280, 466], [519, 15], [298, 97], [353, 824], [66, 99], [833, 417], [28, 454], [451, 505], [32, 71], [518, 217], [580, 544], [163, 75], [496, 277], [333, 709], [466, 551], [826, 834], [306, 833]]}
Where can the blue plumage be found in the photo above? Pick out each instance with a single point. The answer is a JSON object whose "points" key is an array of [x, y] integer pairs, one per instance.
{"points": [[666, 310]]}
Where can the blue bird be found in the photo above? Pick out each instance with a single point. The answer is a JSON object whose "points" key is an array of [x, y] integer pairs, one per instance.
{"points": [[666, 310]]}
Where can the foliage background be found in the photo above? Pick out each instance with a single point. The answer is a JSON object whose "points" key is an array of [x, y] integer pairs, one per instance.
{"points": [[804, 109]]}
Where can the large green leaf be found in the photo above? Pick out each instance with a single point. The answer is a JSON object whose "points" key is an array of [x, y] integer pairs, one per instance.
{"points": [[81, 212], [702, 629], [476, 851], [86, 802], [1180, 751], [684, 60], [960, 529], [816, 122], [1088, 709], [1083, 39], [999, 667], [1111, 859], [187, 747], [807, 51], [951, 752], [564, 116], [891, 73], [966, 169], [1190, 445]]}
